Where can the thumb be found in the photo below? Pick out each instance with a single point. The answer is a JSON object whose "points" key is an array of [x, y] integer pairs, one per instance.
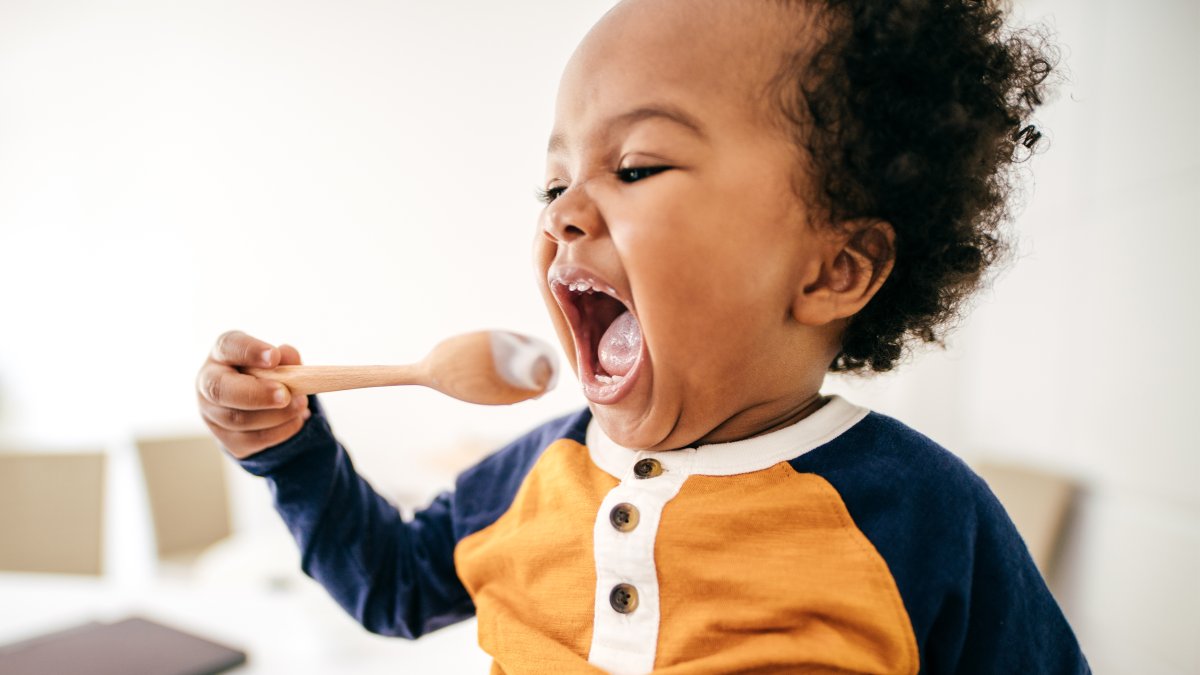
{"points": [[288, 356]]}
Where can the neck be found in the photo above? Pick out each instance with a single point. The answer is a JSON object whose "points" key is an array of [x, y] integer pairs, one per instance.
{"points": [[764, 418]]}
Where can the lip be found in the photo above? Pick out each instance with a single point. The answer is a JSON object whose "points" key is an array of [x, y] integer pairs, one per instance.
{"points": [[558, 279]]}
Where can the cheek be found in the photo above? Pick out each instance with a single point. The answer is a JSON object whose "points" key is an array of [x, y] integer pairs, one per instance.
{"points": [[705, 311], [543, 250], [695, 273]]}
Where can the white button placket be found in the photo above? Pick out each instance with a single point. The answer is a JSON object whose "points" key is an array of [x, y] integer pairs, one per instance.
{"points": [[627, 642]]}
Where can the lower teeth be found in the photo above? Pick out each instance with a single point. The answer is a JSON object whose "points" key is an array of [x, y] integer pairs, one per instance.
{"points": [[609, 379]]}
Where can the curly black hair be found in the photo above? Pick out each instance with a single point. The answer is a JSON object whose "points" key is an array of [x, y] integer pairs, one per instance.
{"points": [[914, 112]]}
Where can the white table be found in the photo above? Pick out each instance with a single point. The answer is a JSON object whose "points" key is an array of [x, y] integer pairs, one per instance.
{"points": [[237, 596]]}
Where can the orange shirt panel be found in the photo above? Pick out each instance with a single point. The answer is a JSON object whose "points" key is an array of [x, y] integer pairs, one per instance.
{"points": [[532, 573], [767, 572]]}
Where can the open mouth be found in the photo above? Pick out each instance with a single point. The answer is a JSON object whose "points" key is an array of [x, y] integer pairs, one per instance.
{"points": [[608, 338]]}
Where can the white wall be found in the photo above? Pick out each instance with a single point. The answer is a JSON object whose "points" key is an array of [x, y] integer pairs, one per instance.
{"points": [[356, 178]]}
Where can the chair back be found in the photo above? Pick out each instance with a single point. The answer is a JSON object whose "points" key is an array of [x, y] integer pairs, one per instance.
{"points": [[187, 491], [52, 512]]}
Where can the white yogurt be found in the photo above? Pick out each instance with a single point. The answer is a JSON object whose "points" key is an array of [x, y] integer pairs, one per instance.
{"points": [[517, 358]]}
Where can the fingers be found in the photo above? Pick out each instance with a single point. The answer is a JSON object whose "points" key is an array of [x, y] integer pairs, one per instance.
{"points": [[288, 356], [225, 387], [248, 414], [232, 419], [235, 348], [242, 444]]}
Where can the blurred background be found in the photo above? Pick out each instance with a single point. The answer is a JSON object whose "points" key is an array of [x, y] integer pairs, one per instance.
{"points": [[357, 179]]}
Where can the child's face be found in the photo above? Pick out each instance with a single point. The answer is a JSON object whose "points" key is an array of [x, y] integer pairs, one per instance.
{"points": [[673, 193]]}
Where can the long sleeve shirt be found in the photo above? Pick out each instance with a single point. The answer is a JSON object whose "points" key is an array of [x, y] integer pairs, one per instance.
{"points": [[844, 543]]}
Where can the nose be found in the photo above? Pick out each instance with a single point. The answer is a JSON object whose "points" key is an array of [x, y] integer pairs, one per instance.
{"points": [[572, 216]]}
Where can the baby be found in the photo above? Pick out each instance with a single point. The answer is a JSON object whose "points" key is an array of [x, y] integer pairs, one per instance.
{"points": [[741, 196]]}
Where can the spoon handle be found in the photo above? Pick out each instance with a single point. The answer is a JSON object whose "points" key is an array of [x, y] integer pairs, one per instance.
{"points": [[303, 380]]}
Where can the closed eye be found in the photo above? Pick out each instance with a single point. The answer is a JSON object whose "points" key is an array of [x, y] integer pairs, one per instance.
{"points": [[635, 173]]}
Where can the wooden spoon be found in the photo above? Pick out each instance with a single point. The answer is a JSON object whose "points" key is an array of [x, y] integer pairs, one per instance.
{"points": [[485, 367]]}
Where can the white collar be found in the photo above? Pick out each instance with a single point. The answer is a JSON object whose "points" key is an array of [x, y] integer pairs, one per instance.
{"points": [[727, 459]]}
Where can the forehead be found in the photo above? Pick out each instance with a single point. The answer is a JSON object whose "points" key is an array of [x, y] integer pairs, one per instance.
{"points": [[712, 59]]}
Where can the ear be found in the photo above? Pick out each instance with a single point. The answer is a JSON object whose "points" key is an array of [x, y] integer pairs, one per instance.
{"points": [[854, 263]]}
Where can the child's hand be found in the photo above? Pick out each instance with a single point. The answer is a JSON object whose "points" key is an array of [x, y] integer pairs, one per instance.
{"points": [[245, 413]]}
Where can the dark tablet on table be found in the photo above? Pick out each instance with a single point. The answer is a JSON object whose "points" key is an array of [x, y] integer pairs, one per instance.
{"points": [[132, 646]]}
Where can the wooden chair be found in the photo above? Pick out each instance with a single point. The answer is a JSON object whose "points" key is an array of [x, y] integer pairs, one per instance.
{"points": [[52, 512], [188, 495]]}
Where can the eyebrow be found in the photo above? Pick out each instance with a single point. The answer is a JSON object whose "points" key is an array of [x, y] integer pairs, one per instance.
{"points": [[658, 111]]}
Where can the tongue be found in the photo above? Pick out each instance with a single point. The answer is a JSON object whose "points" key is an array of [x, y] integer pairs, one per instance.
{"points": [[621, 345]]}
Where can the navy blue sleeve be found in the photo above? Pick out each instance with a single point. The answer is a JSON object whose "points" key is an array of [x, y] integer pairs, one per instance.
{"points": [[976, 600], [486, 490], [395, 577]]}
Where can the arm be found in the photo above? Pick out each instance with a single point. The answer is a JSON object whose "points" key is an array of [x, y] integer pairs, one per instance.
{"points": [[1013, 623], [394, 577]]}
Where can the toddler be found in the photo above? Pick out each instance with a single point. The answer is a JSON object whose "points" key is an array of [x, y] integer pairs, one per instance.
{"points": [[740, 196]]}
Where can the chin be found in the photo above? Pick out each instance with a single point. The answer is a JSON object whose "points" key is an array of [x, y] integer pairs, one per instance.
{"points": [[633, 430]]}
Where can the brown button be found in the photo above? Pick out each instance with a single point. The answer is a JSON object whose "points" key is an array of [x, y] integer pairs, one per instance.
{"points": [[624, 517], [623, 598], [647, 468]]}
